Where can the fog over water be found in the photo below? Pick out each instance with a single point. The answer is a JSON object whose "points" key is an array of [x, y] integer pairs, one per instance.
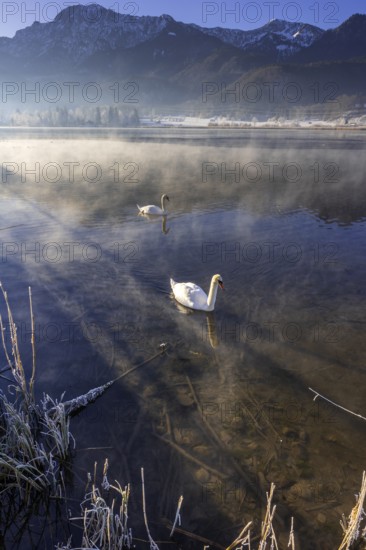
{"points": [[281, 216]]}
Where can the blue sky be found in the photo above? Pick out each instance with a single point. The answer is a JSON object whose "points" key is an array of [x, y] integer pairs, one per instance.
{"points": [[241, 14]]}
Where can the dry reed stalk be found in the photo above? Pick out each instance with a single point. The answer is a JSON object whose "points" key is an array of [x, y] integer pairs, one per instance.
{"points": [[351, 527], [153, 545], [291, 540], [177, 516], [242, 538], [16, 365], [267, 530], [31, 383]]}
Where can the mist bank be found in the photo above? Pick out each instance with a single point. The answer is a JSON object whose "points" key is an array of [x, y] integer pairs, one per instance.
{"points": [[287, 169]]}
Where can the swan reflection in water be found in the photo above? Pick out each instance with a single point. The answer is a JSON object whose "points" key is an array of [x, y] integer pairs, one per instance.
{"points": [[208, 331], [154, 218]]}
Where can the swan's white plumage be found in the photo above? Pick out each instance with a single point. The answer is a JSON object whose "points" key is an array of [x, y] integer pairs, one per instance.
{"points": [[189, 294], [154, 210], [150, 209], [192, 296]]}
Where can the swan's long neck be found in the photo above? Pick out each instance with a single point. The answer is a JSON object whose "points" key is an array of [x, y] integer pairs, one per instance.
{"points": [[212, 295], [163, 199]]}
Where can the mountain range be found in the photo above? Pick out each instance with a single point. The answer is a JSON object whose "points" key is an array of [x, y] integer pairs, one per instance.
{"points": [[172, 62]]}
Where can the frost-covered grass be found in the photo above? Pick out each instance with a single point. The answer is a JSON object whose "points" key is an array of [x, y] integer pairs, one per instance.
{"points": [[104, 523], [35, 437]]}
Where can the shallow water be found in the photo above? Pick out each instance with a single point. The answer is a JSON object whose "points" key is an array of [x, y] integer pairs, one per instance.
{"points": [[227, 410]]}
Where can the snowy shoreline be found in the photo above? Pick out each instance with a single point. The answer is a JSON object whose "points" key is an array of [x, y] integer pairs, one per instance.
{"points": [[346, 122]]}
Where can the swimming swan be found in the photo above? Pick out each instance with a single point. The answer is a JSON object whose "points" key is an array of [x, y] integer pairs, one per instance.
{"points": [[155, 210], [192, 296]]}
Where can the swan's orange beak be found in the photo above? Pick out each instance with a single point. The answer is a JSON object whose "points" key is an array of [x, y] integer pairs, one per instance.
{"points": [[221, 285]]}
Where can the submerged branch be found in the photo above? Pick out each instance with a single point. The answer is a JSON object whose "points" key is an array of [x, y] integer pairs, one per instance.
{"points": [[73, 406], [317, 394]]}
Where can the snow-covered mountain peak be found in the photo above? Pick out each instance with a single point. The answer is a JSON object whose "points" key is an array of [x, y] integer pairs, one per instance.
{"points": [[80, 31], [167, 18], [279, 37]]}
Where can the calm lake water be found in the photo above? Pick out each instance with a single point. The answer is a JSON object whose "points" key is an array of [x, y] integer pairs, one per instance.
{"points": [[227, 410]]}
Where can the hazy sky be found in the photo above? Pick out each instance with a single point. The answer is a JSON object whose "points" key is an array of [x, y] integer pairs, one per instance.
{"points": [[242, 14]]}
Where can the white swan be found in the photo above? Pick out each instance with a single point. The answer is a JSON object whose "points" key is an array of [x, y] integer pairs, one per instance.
{"points": [[192, 296], [154, 210]]}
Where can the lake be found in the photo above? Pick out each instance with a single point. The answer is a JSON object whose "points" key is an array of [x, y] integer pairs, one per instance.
{"points": [[227, 410]]}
